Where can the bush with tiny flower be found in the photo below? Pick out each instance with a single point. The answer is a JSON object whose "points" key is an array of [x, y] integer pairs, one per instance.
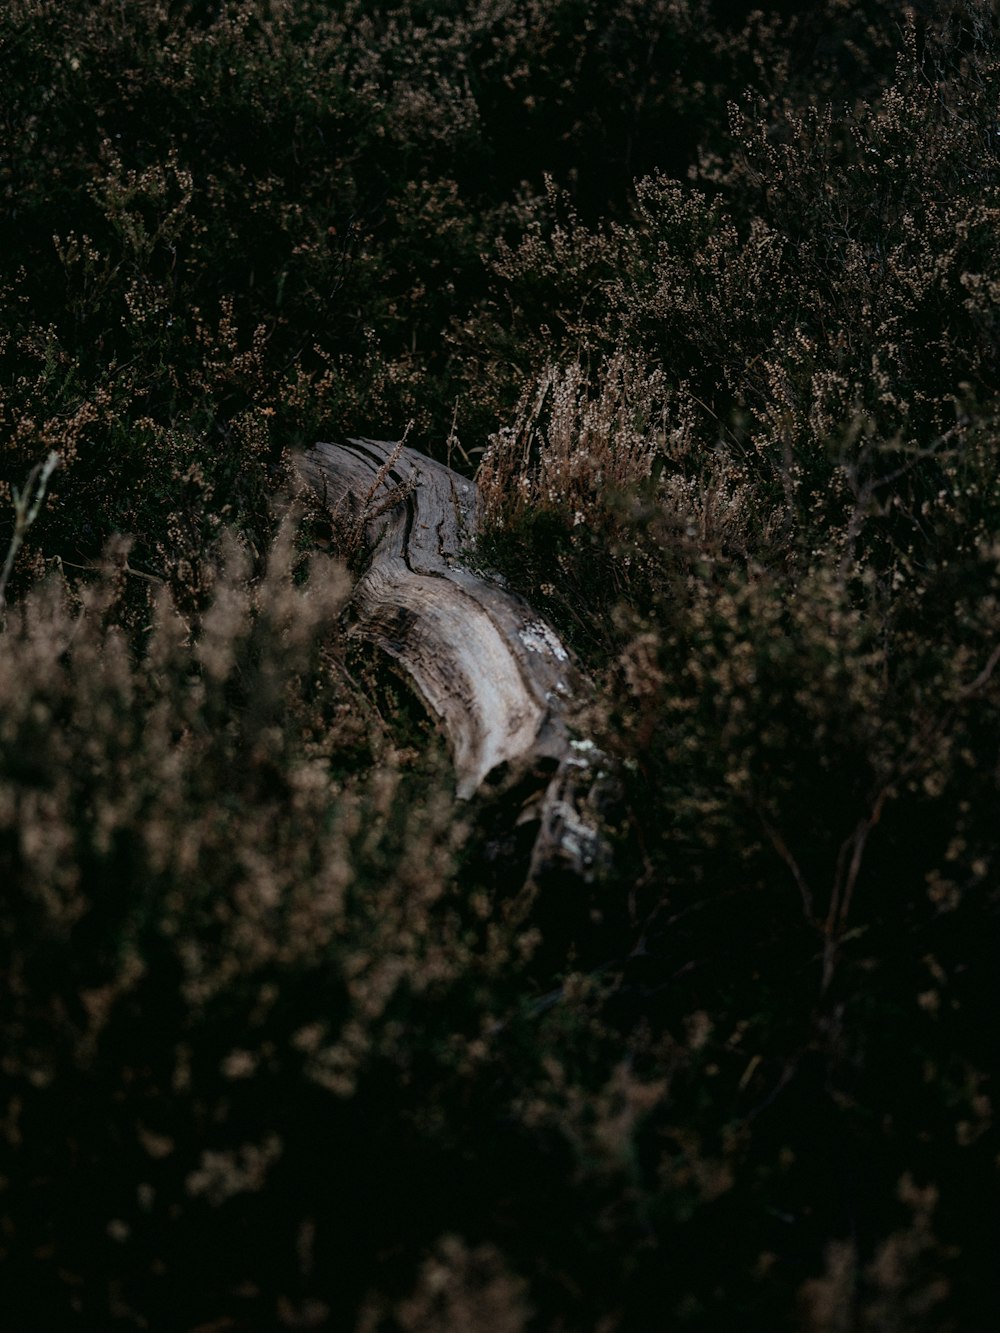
{"points": [[706, 297]]}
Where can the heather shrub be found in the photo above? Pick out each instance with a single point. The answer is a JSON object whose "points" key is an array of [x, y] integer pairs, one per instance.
{"points": [[710, 300], [750, 477], [230, 930], [806, 846], [808, 774], [228, 231], [838, 271]]}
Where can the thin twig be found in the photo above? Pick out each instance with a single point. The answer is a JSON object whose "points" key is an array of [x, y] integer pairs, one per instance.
{"points": [[126, 568], [984, 676], [781, 847], [27, 505]]}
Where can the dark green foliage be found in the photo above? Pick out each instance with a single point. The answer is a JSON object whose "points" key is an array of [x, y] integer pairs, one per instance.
{"points": [[712, 298]]}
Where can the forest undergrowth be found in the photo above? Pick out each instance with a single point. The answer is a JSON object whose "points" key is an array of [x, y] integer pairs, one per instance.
{"points": [[707, 297]]}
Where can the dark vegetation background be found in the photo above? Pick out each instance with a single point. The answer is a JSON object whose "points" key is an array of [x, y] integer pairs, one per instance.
{"points": [[710, 296]]}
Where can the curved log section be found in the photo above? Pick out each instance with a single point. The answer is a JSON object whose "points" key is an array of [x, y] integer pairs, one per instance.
{"points": [[485, 664]]}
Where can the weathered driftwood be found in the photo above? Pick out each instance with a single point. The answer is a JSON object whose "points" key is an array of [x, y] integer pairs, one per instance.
{"points": [[484, 663]]}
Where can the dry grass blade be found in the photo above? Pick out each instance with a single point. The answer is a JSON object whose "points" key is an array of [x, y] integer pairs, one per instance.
{"points": [[27, 505]]}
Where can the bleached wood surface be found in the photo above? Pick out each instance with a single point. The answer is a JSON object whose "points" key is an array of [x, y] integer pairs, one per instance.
{"points": [[485, 664]]}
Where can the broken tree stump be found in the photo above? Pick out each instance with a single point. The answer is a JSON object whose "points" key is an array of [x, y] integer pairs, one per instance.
{"points": [[501, 684]]}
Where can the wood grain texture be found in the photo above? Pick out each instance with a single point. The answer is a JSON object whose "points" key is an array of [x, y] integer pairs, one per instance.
{"points": [[502, 685]]}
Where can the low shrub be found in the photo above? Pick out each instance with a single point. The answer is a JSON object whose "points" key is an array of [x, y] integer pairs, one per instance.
{"points": [[286, 1040]]}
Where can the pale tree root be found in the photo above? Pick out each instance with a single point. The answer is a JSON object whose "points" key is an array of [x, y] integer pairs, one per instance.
{"points": [[501, 685]]}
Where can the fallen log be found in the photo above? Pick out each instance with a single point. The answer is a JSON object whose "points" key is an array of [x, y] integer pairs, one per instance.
{"points": [[501, 684]]}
